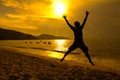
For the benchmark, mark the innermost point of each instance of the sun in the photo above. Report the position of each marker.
(59, 9)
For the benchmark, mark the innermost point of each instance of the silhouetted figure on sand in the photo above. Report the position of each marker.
(78, 38)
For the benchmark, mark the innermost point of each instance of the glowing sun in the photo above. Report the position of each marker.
(59, 9)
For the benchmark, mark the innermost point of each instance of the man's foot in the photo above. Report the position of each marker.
(92, 63)
(61, 59)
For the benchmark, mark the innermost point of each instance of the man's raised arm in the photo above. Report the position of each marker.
(87, 13)
(68, 22)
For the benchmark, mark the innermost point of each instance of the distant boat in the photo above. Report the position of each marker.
(26, 42)
(44, 42)
(49, 42)
(37, 42)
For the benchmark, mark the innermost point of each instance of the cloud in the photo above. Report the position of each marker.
(16, 13)
(16, 24)
(23, 3)
(31, 6)
(13, 16)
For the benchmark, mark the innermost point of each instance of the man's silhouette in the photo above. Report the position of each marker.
(78, 38)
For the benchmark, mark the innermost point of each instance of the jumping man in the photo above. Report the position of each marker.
(78, 38)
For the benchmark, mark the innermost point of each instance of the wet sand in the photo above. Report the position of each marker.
(19, 65)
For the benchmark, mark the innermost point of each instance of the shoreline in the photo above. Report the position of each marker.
(15, 64)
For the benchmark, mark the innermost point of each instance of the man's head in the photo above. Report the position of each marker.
(77, 24)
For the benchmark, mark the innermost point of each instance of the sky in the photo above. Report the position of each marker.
(38, 17)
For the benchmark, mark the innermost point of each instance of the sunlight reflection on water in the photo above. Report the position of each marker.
(55, 55)
(61, 45)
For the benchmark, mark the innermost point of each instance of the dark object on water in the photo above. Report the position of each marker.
(49, 42)
(26, 42)
(44, 42)
(37, 42)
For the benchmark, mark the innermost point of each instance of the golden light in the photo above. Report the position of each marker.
(60, 45)
(59, 9)
(60, 42)
(55, 55)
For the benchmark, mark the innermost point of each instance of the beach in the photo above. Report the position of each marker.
(20, 65)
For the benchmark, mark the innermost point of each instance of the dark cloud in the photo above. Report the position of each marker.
(32, 1)
(26, 3)
(9, 9)
(25, 6)
(5, 9)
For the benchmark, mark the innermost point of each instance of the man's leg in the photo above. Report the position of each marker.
(87, 55)
(69, 50)
(85, 50)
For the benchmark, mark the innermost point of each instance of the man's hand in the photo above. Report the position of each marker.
(64, 16)
(87, 13)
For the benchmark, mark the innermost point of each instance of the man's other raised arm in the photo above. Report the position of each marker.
(68, 22)
(83, 24)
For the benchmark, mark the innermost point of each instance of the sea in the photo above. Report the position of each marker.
(103, 53)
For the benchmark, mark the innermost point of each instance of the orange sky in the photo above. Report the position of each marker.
(38, 16)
